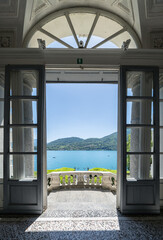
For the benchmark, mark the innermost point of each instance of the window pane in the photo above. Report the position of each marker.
(139, 167)
(1, 166)
(139, 83)
(140, 139)
(24, 83)
(100, 33)
(1, 113)
(82, 21)
(161, 165)
(2, 78)
(161, 114)
(54, 27)
(23, 139)
(161, 86)
(23, 167)
(161, 139)
(1, 139)
(140, 112)
(23, 111)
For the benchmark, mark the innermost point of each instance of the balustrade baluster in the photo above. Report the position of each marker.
(101, 180)
(76, 179)
(72, 179)
(69, 180)
(60, 180)
(80, 180)
(93, 179)
(63, 181)
(88, 179)
(98, 180)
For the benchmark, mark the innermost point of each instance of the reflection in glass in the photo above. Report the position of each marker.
(139, 167)
(161, 85)
(140, 139)
(161, 140)
(1, 139)
(140, 112)
(161, 166)
(24, 83)
(23, 166)
(2, 78)
(139, 83)
(1, 113)
(23, 139)
(1, 166)
(23, 111)
(161, 114)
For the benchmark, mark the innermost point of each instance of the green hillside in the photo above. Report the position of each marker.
(74, 143)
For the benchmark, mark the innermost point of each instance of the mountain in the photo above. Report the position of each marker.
(74, 143)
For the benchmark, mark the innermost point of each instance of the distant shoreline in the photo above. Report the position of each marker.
(107, 143)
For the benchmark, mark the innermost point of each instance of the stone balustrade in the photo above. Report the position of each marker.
(81, 179)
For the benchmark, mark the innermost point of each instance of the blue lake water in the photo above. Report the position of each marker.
(81, 160)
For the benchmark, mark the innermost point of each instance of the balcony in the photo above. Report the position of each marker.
(81, 179)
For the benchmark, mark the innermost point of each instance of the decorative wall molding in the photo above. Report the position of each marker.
(157, 40)
(9, 8)
(39, 6)
(154, 8)
(66, 58)
(124, 5)
(6, 39)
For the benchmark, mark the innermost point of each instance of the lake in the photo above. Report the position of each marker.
(82, 160)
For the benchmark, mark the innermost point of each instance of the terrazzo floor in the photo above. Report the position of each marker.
(85, 214)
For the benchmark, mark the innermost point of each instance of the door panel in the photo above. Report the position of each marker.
(24, 108)
(139, 117)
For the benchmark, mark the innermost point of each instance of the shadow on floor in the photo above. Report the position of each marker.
(113, 228)
(81, 215)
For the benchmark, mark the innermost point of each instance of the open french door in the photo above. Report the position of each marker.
(23, 138)
(139, 141)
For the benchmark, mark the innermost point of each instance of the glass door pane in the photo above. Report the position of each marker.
(139, 83)
(24, 82)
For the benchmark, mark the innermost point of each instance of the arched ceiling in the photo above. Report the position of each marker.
(17, 17)
(37, 9)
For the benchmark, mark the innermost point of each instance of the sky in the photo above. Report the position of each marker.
(93, 41)
(81, 110)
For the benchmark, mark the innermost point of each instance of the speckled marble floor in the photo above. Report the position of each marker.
(81, 215)
(81, 203)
